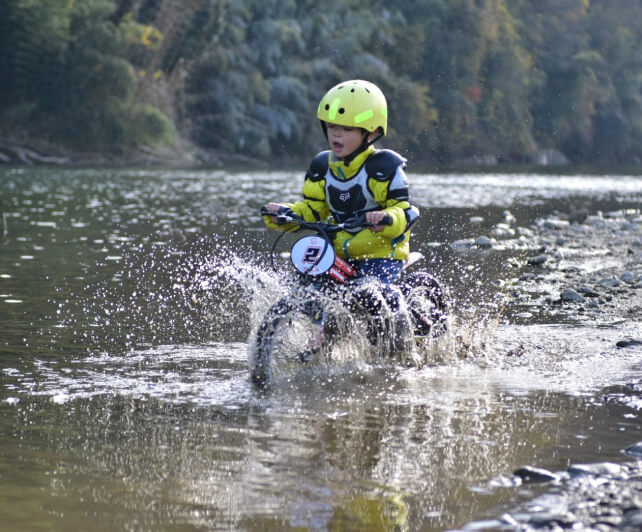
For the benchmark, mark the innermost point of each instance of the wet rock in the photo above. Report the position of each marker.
(535, 474)
(509, 218)
(632, 520)
(527, 233)
(553, 520)
(609, 282)
(629, 343)
(629, 226)
(587, 291)
(555, 224)
(538, 260)
(635, 449)
(462, 245)
(483, 242)
(502, 229)
(578, 217)
(571, 296)
(599, 469)
(628, 277)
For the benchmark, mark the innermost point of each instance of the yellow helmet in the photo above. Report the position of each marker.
(355, 103)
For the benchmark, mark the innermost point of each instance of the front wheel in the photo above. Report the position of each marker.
(426, 303)
(291, 335)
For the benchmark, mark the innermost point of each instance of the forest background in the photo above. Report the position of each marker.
(199, 81)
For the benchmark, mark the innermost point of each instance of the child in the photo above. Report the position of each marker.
(353, 178)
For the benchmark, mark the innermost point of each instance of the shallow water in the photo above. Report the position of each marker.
(126, 301)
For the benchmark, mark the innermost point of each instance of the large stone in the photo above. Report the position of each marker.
(629, 343)
(535, 474)
(635, 449)
(571, 296)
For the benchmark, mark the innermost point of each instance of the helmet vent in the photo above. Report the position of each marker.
(341, 111)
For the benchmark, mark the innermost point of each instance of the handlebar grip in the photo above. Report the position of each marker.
(283, 216)
(281, 212)
(387, 220)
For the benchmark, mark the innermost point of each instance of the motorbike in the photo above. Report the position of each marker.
(331, 312)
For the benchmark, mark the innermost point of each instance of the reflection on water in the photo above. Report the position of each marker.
(126, 298)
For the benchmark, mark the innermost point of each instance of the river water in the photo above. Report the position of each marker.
(127, 298)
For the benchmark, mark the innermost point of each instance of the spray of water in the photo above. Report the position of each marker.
(209, 290)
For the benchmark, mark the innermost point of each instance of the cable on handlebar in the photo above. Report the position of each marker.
(320, 227)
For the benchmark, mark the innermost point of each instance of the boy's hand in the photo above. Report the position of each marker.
(274, 207)
(374, 217)
(279, 210)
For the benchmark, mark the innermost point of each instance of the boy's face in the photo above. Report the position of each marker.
(344, 140)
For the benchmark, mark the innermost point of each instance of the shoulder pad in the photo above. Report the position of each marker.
(318, 167)
(383, 164)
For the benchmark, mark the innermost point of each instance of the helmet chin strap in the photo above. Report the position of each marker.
(365, 144)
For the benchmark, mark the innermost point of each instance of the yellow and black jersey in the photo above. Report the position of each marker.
(375, 180)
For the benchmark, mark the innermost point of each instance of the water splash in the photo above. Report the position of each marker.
(162, 293)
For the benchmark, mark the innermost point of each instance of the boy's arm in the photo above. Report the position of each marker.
(390, 188)
(313, 207)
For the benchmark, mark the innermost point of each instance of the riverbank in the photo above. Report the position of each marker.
(24, 150)
(180, 154)
(583, 268)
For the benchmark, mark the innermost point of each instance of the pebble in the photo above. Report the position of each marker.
(538, 260)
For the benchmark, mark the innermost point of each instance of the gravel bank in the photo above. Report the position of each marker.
(582, 268)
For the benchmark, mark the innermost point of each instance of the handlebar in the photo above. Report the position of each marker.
(285, 215)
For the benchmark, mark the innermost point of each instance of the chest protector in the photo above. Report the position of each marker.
(349, 194)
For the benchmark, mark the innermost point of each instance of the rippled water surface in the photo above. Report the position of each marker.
(127, 298)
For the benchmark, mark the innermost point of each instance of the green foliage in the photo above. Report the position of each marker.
(150, 126)
(66, 63)
(463, 77)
